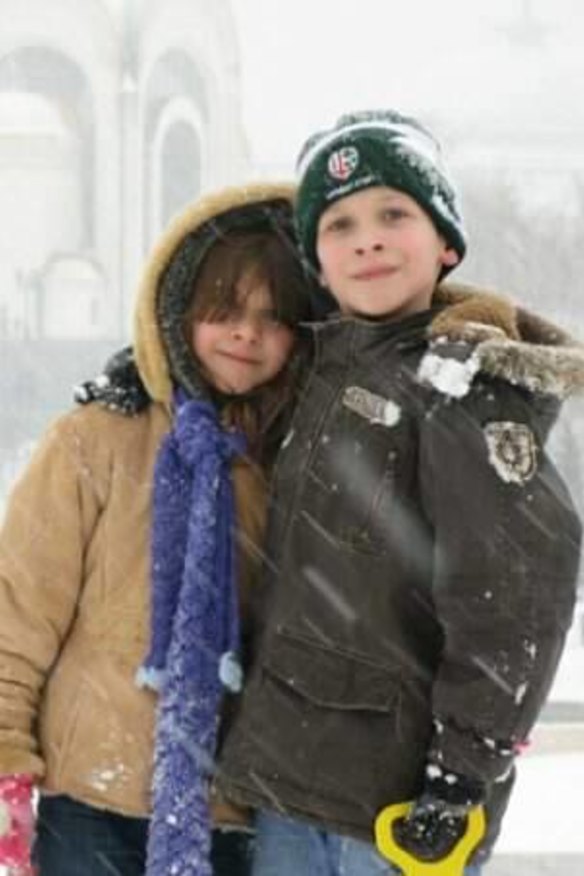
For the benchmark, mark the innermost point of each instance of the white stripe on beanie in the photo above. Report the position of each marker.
(409, 136)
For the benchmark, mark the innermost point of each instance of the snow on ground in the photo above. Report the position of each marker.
(569, 683)
(545, 813)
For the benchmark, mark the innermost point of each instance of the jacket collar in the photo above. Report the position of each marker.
(485, 332)
(507, 341)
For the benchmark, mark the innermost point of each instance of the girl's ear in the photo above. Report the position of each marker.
(449, 257)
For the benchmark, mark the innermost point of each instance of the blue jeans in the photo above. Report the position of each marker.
(286, 847)
(74, 839)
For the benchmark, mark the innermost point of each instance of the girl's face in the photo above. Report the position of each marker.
(247, 347)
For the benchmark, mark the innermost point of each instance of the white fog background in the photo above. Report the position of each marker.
(115, 114)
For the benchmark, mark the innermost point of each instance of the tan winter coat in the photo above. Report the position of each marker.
(74, 577)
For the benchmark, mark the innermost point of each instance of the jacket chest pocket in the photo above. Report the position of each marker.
(297, 447)
(355, 477)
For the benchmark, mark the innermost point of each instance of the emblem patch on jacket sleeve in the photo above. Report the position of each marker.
(512, 451)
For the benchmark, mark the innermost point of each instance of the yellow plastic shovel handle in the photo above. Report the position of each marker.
(452, 865)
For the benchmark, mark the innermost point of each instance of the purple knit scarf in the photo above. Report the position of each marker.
(194, 630)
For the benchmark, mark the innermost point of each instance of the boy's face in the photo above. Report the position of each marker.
(380, 253)
(247, 347)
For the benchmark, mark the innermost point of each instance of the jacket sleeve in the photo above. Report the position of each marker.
(49, 520)
(506, 555)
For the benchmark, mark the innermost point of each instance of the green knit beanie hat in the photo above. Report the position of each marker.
(374, 148)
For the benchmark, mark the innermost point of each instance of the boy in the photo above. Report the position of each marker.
(423, 551)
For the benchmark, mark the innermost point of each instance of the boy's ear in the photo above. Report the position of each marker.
(449, 257)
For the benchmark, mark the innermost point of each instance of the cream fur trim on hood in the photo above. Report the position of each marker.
(149, 349)
(507, 341)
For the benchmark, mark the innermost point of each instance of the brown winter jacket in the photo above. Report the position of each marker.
(423, 554)
(74, 575)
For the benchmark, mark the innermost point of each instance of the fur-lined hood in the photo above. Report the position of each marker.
(487, 333)
(202, 222)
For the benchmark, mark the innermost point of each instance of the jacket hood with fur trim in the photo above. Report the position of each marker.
(196, 228)
(476, 331)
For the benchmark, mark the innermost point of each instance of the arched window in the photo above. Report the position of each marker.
(46, 176)
(40, 202)
(180, 169)
(174, 139)
(48, 74)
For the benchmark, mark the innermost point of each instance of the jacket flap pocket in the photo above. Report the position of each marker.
(330, 677)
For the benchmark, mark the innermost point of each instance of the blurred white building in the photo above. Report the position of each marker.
(113, 115)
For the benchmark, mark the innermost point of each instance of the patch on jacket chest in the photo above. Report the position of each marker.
(371, 407)
(512, 451)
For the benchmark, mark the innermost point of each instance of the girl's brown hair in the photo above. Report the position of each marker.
(267, 257)
(262, 257)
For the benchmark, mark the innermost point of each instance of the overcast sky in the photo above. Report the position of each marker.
(512, 62)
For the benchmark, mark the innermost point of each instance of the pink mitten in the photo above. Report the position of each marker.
(16, 823)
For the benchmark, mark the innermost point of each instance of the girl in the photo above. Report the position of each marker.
(126, 515)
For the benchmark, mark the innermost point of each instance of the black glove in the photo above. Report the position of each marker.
(437, 820)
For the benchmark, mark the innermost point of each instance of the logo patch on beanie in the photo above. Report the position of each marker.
(343, 163)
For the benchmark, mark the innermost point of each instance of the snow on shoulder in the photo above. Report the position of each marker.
(450, 376)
